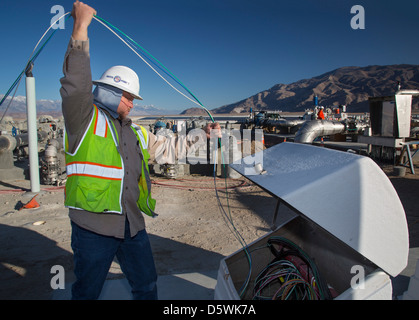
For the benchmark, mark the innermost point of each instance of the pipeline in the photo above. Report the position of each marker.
(316, 128)
(7, 143)
(284, 123)
(10, 143)
(201, 184)
(287, 123)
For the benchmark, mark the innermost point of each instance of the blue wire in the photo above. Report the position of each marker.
(150, 59)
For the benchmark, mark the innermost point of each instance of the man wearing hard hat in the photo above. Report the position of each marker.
(320, 115)
(108, 183)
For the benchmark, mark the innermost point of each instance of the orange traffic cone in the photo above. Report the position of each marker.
(31, 204)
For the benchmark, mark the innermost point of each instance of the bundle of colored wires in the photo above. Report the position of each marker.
(281, 280)
(291, 275)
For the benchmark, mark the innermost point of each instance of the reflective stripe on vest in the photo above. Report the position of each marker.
(94, 170)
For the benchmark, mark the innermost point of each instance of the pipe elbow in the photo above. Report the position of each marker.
(316, 128)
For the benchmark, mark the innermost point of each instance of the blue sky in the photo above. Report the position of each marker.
(222, 50)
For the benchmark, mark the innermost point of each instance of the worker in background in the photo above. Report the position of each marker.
(159, 125)
(320, 115)
(108, 184)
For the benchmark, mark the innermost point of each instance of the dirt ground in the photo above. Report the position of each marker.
(189, 234)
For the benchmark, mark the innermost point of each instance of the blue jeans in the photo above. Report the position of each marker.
(93, 255)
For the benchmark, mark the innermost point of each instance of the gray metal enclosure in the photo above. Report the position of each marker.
(340, 208)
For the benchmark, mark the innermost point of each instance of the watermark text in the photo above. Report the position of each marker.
(358, 20)
(58, 280)
(56, 22)
(241, 147)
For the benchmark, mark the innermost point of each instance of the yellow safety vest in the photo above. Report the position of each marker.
(95, 170)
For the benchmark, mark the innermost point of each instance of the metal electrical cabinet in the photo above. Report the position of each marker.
(390, 116)
(340, 208)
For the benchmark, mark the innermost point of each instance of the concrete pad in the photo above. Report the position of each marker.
(184, 286)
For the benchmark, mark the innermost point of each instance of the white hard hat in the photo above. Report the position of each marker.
(122, 78)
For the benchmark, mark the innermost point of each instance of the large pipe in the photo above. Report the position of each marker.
(7, 143)
(316, 128)
(21, 140)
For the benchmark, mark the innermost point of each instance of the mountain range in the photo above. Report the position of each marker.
(350, 86)
(53, 108)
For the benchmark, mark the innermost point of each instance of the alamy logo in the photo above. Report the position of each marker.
(357, 281)
(358, 20)
(239, 147)
(56, 22)
(58, 280)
